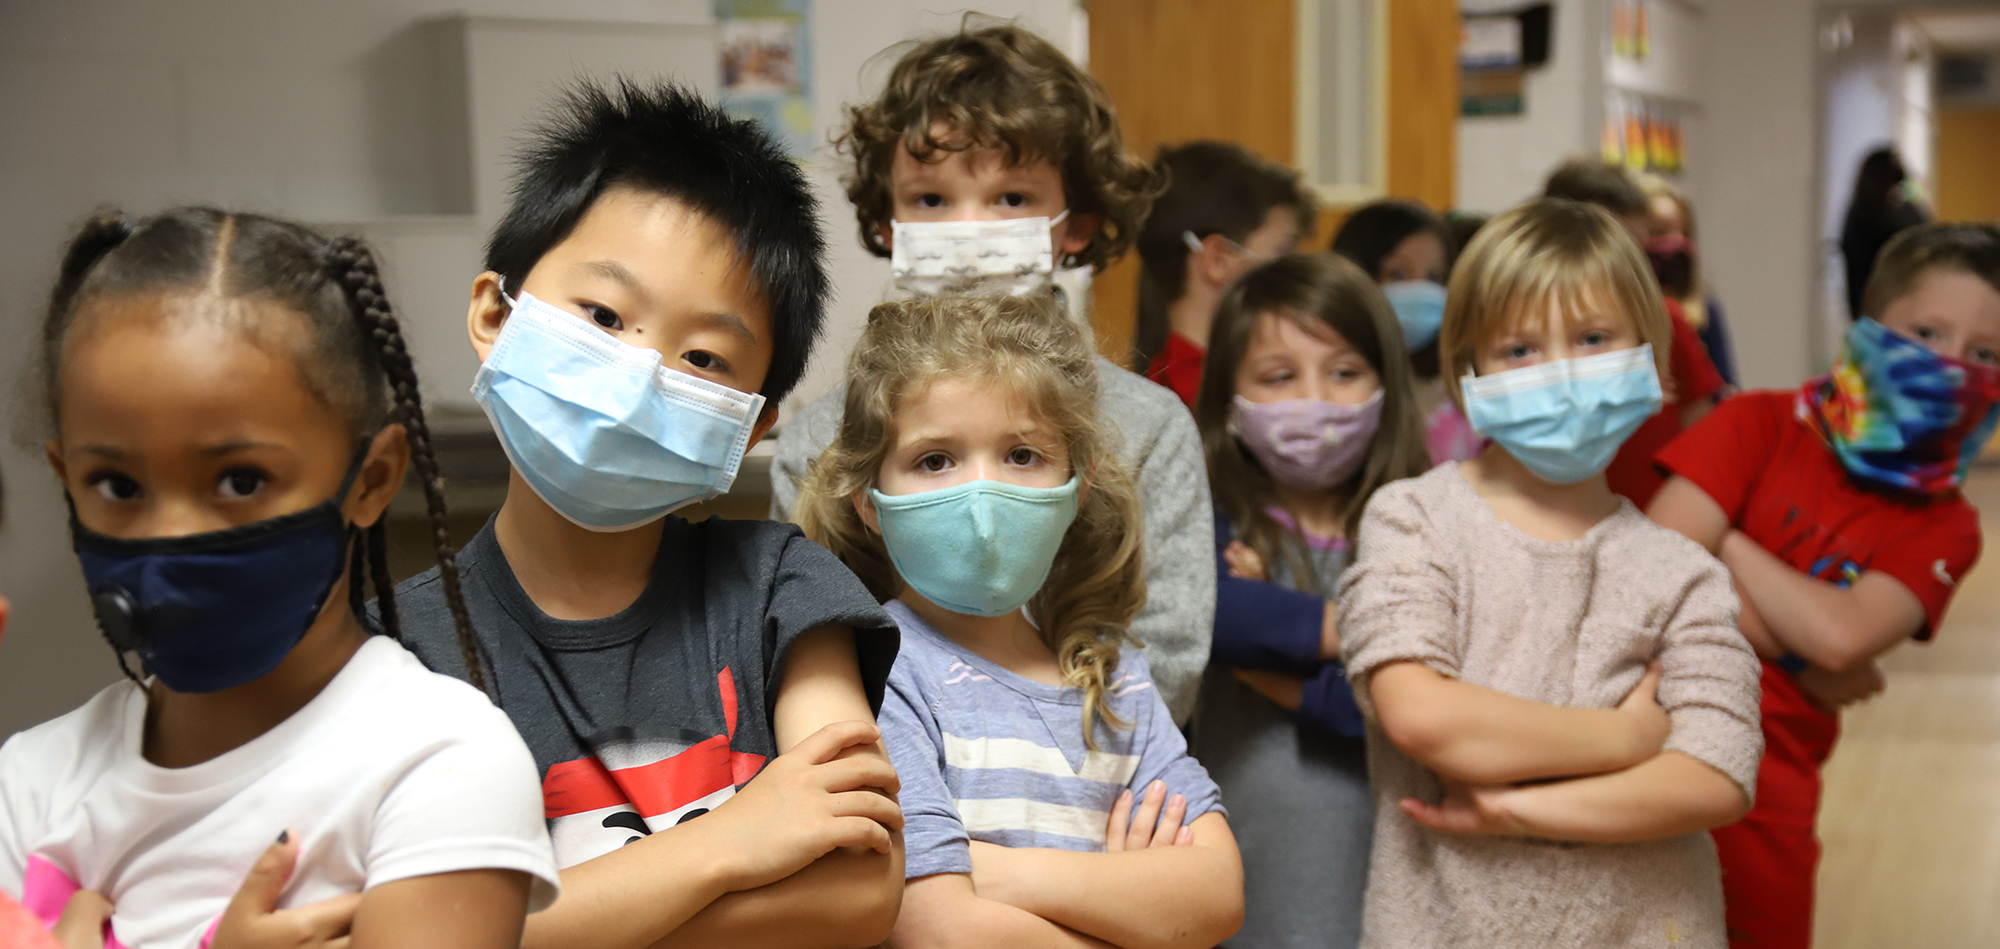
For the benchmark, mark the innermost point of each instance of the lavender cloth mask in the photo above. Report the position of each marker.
(1307, 444)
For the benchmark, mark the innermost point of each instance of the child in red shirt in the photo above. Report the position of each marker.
(1837, 508)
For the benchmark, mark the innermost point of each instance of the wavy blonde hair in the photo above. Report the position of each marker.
(1026, 343)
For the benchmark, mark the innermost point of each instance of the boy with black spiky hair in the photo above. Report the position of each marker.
(700, 698)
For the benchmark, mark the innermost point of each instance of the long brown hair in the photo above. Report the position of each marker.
(1097, 584)
(1319, 292)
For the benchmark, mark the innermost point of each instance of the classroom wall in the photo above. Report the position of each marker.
(318, 111)
(1502, 160)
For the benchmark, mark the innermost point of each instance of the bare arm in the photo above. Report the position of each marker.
(1669, 795)
(1835, 629)
(1479, 736)
(470, 909)
(944, 912)
(1159, 897)
(1681, 505)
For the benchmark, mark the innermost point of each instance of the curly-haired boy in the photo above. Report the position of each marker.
(976, 137)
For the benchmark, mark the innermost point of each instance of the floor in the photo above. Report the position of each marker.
(1911, 817)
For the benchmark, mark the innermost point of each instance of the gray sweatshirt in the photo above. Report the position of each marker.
(1158, 439)
(1441, 580)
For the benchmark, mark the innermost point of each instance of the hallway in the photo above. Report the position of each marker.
(1911, 819)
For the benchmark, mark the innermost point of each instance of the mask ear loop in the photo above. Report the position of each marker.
(511, 302)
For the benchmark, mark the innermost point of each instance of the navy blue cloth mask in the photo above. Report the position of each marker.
(207, 612)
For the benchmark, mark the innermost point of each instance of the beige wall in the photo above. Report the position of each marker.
(1968, 163)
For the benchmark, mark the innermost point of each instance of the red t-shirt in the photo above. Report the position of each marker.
(1178, 367)
(1632, 472)
(1782, 487)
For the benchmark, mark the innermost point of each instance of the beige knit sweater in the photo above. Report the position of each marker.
(1441, 580)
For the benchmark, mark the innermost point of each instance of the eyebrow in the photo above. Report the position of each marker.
(235, 445)
(615, 272)
(726, 322)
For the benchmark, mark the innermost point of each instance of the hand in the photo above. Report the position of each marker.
(803, 805)
(1159, 821)
(1466, 810)
(1641, 708)
(1244, 563)
(253, 921)
(1285, 690)
(1836, 690)
(83, 921)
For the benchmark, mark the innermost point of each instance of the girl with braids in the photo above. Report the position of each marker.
(1048, 797)
(232, 410)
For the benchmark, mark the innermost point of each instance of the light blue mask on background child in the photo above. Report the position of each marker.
(1565, 419)
(1419, 306)
(981, 548)
(601, 430)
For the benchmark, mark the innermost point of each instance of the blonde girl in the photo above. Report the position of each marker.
(1305, 410)
(1049, 799)
(1509, 621)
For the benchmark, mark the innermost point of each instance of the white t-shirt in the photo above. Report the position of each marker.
(390, 772)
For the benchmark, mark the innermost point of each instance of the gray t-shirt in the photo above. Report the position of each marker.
(1441, 580)
(1157, 437)
(986, 754)
(657, 714)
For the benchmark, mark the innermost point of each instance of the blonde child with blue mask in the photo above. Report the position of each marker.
(1559, 701)
(991, 163)
(1048, 796)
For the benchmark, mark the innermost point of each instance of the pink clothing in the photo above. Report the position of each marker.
(1313, 541)
(1449, 435)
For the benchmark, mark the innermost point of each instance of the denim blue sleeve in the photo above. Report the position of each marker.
(1328, 703)
(934, 838)
(1163, 753)
(1262, 625)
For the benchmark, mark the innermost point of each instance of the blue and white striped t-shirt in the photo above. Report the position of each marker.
(986, 754)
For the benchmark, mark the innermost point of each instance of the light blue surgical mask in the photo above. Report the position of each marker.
(981, 548)
(1565, 419)
(602, 431)
(1419, 306)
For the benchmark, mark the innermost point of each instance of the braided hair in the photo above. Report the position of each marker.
(356, 360)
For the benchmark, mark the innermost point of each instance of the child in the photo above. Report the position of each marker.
(1407, 250)
(1305, 412)
(1027, 145)
(1696, 383)
(699, 698)
(1225, 211)
(1837, 508)
(1499, 621)
(232, 410)
(971, 481)
(1670, 246)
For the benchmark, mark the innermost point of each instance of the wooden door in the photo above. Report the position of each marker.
(1179, 70)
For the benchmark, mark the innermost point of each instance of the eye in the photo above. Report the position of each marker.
(1278, 378)
(112, 486)
(1596, 338)
(1023, 456)
(1014, 199)
(1983, 355)
(603, 317)
(930, 199)
(1517, 351)
(240, 483)
(933, 462)
(705, 360)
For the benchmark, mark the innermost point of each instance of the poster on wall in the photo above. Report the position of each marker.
(766, 49)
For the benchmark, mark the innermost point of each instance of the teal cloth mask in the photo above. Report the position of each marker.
(981, 548)
(1419, 306)
(601, 430)
(1565, 419)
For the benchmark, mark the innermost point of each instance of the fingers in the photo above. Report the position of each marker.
(327, 919)
(81, 925)
(868, 804)
(1171, 820)
(860, 832)
(821, 746)
(860, 771)
(1121, 822)
(266, 879)
(1647, 691)
(1449, 820)
(1147, 816)
(1185, 837)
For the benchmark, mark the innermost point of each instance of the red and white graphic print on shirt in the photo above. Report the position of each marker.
(636, 784)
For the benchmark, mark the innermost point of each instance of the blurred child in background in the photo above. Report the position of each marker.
(1670, 245)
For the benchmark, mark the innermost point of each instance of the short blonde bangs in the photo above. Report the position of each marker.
(1549, 249)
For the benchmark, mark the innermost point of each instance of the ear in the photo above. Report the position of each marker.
(382, 471)
(865, 506)
(53, 449)
(1215, 263)
(1082, 491)
(1078, 229)
(765, 420)
(6, 610)
(888, 235)
(487, 313)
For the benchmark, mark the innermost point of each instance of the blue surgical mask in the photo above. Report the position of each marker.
(1419, 306)
(602, 431)
(981, 548)
(1565, 419)
(207, 612)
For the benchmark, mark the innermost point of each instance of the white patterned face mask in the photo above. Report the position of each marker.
(1010, 257)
